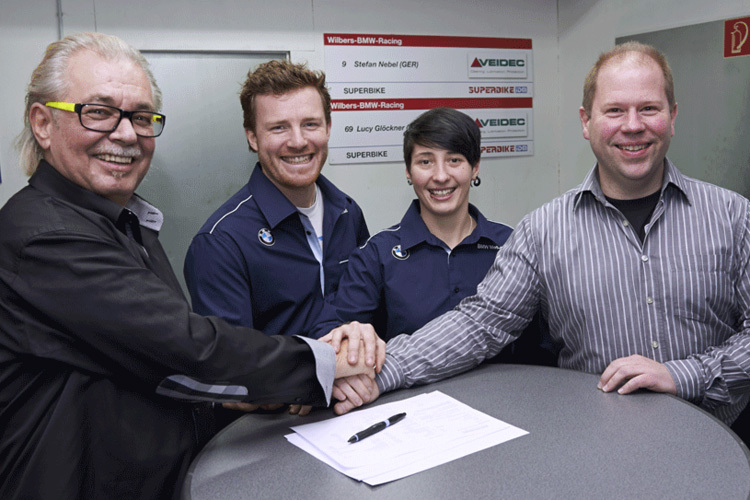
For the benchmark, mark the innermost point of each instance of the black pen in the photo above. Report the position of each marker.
(375, 428)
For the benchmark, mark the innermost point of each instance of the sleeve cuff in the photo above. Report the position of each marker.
(688, 378)
(325, 364)
(390, 377)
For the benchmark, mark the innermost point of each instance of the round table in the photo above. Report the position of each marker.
(582, 443)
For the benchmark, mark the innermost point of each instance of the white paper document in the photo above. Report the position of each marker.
(436, 430)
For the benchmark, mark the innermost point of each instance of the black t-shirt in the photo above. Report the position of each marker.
(638, 211)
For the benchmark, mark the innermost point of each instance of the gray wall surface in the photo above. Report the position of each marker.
(202, 158)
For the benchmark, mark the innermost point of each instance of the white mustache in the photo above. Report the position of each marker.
(131, 151)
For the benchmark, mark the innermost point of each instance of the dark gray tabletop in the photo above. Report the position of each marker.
(582, 443)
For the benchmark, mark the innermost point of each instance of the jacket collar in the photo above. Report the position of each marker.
(414, 231)
(276, 207)
(48, 180)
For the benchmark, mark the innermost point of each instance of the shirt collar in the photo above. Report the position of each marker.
(276, 207)
(414, 231)
(148, 215)
(271, 202)
(673, 178)
(484, 227)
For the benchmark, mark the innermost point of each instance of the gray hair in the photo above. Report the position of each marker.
(49, 82)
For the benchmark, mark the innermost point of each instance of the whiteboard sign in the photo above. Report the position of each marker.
(380, 83)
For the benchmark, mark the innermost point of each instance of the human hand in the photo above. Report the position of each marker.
(300, 410)
(248, 407)
(636, 372)
(353, 392)
(374, 347)
(344, 368)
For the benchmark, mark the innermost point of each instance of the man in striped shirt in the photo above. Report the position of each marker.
(641, 272)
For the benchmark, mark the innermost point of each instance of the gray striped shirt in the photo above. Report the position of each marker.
(682, 297)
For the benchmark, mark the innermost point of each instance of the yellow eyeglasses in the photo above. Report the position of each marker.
(103, 118)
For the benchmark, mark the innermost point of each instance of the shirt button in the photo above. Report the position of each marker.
(654, 344)
(456, 290)
(625, 223)
(649, 300)
(644, 258)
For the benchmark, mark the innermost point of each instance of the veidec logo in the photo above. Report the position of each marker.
(502, 63)
(498, 64)
(500, 122)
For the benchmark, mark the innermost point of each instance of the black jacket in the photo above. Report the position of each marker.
(90, 324)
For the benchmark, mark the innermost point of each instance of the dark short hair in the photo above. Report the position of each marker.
(277, 78)
(620, 52)
(444, 128)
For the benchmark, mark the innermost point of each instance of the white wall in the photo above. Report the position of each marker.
(510, 186)
(26, 27)
(567, 37)
(297, 26)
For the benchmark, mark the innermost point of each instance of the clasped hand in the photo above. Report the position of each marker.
(358, 349)
(360, 353)
(357, 389)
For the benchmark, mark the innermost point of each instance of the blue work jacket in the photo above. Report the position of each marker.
(404, 276)
(251, 263)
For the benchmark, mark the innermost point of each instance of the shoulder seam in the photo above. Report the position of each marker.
(229, 213)
(387, 230)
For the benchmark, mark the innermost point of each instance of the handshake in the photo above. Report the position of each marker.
(360, 354)
(355, 374)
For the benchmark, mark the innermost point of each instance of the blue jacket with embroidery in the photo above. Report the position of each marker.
(404, 276)
(251, 263)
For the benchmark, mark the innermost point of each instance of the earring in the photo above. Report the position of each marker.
(408, 181)
(476, 181)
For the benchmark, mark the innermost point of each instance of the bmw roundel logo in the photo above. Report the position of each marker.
(399, 253)
(265, 237)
